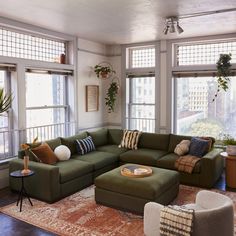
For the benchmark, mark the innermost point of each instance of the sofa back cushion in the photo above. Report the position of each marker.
(70, 141)
(115, 136)
(99, 137)
(154, 141)
(175, 140)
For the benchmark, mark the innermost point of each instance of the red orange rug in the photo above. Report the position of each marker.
(78, 214)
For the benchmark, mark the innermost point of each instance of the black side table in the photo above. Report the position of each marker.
(22, 193)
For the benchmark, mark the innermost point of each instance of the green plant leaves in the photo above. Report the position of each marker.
(111, 96)
(223, 72)
(5, 101)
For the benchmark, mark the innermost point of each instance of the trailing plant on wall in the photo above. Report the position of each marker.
(223, 72)
(111, 96)
(5, 101)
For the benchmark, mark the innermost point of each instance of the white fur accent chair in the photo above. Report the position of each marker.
(214, 215)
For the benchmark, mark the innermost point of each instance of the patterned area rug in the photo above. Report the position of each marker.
(78, 214)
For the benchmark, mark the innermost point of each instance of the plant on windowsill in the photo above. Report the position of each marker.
(230, 144)
(5, 101)
(111, 96)
(223, 72)
(104, 71)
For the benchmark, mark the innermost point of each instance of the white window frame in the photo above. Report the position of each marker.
(173, 68)
(18, 77)
(128, 70)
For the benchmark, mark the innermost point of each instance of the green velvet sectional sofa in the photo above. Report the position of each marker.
(53, 182)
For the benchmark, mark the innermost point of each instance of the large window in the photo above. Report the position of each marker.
(195, 111)
(46, 104)
(198, 115)
(140, 88)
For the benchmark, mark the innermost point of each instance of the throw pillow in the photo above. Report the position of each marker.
(182, 148)
(130, 139)
(62, 152)
(198, 147)
(45, 154)
(211, 142)
(85, 145)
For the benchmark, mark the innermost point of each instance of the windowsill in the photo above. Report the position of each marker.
(6, 161)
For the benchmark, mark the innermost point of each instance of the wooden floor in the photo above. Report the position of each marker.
(12, 227)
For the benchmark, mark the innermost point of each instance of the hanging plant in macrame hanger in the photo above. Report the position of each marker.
(223, 72)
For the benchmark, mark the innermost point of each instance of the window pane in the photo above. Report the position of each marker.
(200, 54)
(140, 103)
(28, 46)
(43, 117)
(5, 135)
(198, 115)
(143, 90)
(44, 89)
(142, 57)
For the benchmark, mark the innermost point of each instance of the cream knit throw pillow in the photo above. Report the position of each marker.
(130, 139)
(182, 148)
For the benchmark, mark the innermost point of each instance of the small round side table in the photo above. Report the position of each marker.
(22, 193)
(230, 169)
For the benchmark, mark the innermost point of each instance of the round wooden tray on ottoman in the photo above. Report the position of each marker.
(136, 171)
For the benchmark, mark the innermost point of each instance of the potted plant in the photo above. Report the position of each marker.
(5, 101)
(111, 96)
(230, 144)
(103, 71)
(223, 72)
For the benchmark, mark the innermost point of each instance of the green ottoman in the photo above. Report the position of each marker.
(131, 194)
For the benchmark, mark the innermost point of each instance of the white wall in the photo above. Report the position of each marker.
(90, 54)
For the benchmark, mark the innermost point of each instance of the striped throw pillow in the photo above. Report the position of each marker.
(85, 145)
(130, 139)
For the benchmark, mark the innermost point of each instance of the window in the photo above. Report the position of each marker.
(21, 45)
(204, 53)
(5, 135)
(140, 104)
(142, 57)
(198, 115)
(140, 88)
(46, 105)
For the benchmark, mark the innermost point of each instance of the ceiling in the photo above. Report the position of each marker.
(122, 21)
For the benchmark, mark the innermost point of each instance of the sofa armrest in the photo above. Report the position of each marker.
(152, 211)
(211, 167)
(44, 185)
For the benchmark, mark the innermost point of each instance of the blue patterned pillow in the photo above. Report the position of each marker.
(198, 147)
(85, 145)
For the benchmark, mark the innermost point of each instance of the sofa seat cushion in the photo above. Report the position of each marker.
(142, 156)
(112, 149)
(98, 159)
(168, 162)
(72, 169)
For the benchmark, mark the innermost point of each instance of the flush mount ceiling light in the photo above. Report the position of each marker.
(172, 22)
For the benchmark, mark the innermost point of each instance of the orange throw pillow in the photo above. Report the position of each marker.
(45, 154)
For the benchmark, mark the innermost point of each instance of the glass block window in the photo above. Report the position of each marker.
(208, 53)
(142, 57)
(26, 46)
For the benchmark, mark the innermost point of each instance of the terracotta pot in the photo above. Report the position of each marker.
(231, 150)
(104, 75)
